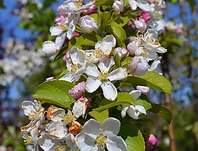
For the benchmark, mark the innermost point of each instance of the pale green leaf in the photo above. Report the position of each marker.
(136, 143)
(100, 116)
(152, 80)
(55, 92)
(119, 33)
(122, 99)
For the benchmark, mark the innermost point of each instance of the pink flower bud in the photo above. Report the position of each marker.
(146, 16)
(118, 6)
(153, 140)
(92, 9)
(138, 66)
(78, 90)
(75, 34)
(179, 31)
(60, 20)
(143, 89)
(140, 25)
(88, 24)
(133, 46)
(122, 52)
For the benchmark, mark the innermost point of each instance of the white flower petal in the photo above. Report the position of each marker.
(116, 143)
(92, 70)
(92, 84)
(132, 113)
(111, 126)
(161, 50)
(133, 4)
(106, 64)
(71, 142)
(141, 109)
(91, 128)
(70, 77)
(71, 30)
(56, 129)
(124, 111)
(86, 143)
(60, 41)
(154, 65)
(46, 143)
(135, 94)
(109, 91)
(79, 109)
(55, 30)
(145, 6)
(106, 44)
(49, 48)
(118, 74)
(77, 56)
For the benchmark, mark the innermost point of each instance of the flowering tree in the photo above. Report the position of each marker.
(112, 56)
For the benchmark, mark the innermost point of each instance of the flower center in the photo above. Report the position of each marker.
(103, 76)
(74, 68)
(61, 148)
(101, 141)
(69, 118)
(98, 53)
(28, 140)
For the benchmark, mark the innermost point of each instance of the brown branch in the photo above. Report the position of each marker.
(168, 102)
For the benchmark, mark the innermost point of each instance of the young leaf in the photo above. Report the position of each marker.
(119, 33)
(136, 143)
(152, 80)
(100, 116)
(55, 92)
(144, 103)
(122, 99)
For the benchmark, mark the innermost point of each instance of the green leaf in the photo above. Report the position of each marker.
(122, 99)
(135, 143)
(119, 33)
(100, 116)
(192, 4)
(86, 40)
(152, 80)
(104, 2)
(144, 103)
(55, 92)
(162, 112)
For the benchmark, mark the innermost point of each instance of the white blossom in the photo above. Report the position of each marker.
(104, 78)
(76, 65)
(95, 136)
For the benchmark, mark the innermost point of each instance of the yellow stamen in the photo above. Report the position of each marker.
(98, 53)
(74, 68)
(101, 141)
(69, 118)
(103, 76)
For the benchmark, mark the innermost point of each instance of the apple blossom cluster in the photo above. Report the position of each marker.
(95, 72)
(19, 62)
